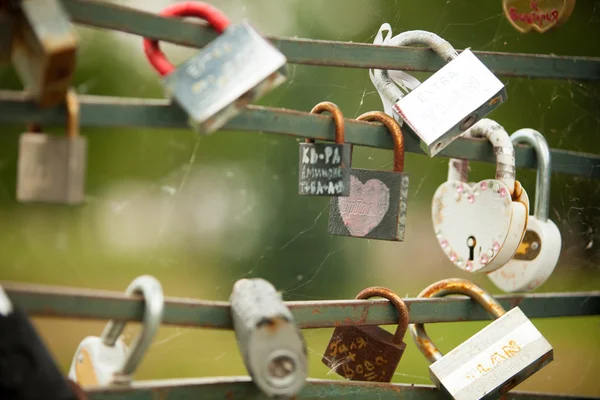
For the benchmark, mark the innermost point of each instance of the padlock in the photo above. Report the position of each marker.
(538, 253)
(376, 206)
(324, 168)
(27, 369)
(452, 100)
(272, 347)
(491, 362)
(106, 360)
(233, 70)
(479, 226)
(44, 50)
(368, 353)
(52, 168)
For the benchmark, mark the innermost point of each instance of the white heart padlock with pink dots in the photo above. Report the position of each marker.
(538, 253)
(479, 226)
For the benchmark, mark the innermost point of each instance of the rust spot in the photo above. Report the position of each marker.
(229, 394)
(316, 311)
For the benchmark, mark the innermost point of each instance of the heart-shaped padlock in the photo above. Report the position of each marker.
(480, 225)
(539, 15)
(538, 253)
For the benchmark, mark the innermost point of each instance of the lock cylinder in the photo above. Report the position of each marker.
(271, 344)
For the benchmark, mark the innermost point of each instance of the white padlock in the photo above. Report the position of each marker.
(479, 226)
(538, 253)
(105, 360)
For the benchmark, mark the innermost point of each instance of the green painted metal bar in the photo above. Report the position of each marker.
(56, 301)
(243, 388)
(156, 113)
(329, 53)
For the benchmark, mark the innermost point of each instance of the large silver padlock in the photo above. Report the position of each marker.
(479, 226)
(538, 253)
(452, 100)
(106, 360)
(233, 70)
(44, 50)
(270, 342)
(52, 168)
(491, 362)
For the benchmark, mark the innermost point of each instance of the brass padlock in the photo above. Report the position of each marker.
(324, 168)
(376, 206)
(368, 353)
(51, 167)
(44, 50)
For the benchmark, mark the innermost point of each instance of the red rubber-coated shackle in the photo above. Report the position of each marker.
(215, 18)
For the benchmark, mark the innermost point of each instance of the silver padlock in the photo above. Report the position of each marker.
(52, 167)
(452, 100)
(233, 70)
(479, 226)
(538, 253)
(106, 360)
(44, 50)
(271, 344)
(491, 362)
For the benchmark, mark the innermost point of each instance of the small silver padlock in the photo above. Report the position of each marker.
(44, 50)
(52, 167)
(324, 168)
(271, 344)
(233, 70)
(450, 101)
(376, 206)
(491, 362)
(106, 360)
(479, 226)
(538, 253)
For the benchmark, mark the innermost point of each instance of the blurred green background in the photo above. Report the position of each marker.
(199, 213)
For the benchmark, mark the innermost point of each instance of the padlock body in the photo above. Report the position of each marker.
(233, 70)
(95, 363)
(534, 261)
(494, 360)
(7, 27)
(375, 207)
(363, 353)
(51, 169)
(44, 50)
(265, 332)
(451, 101)
(324, 169)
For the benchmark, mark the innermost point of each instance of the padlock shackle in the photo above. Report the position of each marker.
(151, 290)
(338, 120)
(215, 18)
(542, 151)
(72, 104)
(385, 85)
(397, 302)
(444, 288)
(503, 148)
(394, 129)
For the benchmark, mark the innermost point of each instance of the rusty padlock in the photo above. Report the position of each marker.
(324, 168)
(376, 206)
(368, 353)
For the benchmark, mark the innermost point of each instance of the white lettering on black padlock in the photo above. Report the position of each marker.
(376, 206)
(270, 342)
(538, 253)
(233, 70)
(27, 369)
(44, 50)
(479, 226)
(491, 362)
(324, 168)
(52, 168)
(106, 360)
(450, 101)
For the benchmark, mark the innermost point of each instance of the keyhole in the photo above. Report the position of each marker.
(471, 242)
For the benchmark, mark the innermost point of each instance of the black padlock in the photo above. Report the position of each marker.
(27, 370)
(376, 205)
(324, 168)
(368, 353)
